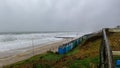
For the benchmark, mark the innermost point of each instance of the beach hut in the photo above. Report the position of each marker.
(71, 45)
(78, 41)
(67, 48)
(62, 49)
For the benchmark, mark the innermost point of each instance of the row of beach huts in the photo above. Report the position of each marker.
(65, 48)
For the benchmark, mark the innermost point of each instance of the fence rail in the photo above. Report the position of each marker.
(106, 57)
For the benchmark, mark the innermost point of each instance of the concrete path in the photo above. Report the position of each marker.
(116, 52)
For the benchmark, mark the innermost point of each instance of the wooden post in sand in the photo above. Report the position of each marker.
(33, 52)
(33, 46)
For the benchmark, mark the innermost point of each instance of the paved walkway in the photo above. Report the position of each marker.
(116, 52)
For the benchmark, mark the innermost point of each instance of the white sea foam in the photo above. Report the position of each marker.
(15, 41)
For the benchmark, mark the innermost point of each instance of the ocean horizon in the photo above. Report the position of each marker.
(9, 41)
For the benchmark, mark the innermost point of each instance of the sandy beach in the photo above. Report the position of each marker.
(12, 56)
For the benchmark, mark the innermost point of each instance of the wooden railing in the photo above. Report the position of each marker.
(106, 57)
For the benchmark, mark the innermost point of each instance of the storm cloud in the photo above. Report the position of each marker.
(58, 15)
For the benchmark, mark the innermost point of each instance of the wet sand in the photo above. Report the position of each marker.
(16, 55)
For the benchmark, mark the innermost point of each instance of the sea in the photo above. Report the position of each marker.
(16, 40)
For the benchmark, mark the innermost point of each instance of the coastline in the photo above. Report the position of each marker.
(16, 55)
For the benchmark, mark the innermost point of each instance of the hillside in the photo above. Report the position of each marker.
(85, 55)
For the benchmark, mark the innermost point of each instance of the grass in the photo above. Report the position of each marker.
(72, 52)
(81, 56)
(41, 61)
(116, 58)
(85, 56)
(89, 62)
(48, 58)
(85, 63)
(51, 56)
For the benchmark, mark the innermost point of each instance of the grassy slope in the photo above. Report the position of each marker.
(85, 56)
(114, 40)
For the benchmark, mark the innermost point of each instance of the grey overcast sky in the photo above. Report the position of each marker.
(58, 15)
